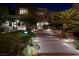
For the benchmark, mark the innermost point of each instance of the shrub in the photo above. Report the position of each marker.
(12, 43)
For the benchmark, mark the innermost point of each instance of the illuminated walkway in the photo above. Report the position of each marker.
(51, 45)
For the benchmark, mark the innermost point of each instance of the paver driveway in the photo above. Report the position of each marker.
(51, 45)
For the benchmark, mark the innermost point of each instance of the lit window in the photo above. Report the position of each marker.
(40, 13)
(23, 11)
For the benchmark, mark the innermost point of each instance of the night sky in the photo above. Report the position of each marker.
(49, 6)
(54, 6)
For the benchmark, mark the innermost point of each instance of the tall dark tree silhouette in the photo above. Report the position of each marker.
(4, 12)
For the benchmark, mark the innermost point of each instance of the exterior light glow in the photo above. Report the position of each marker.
(17, 21)
(33, 30)
(48, 30)
(7, 22)
(25, 32)
(35, 41)
(68, 40)
(46, 23)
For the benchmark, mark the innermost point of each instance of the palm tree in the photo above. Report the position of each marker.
(54, 23)
(67, 18)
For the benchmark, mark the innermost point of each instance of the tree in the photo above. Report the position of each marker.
(4, 11)
(3, 14)
(29, 21)
(54, 23)
(69, 19)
